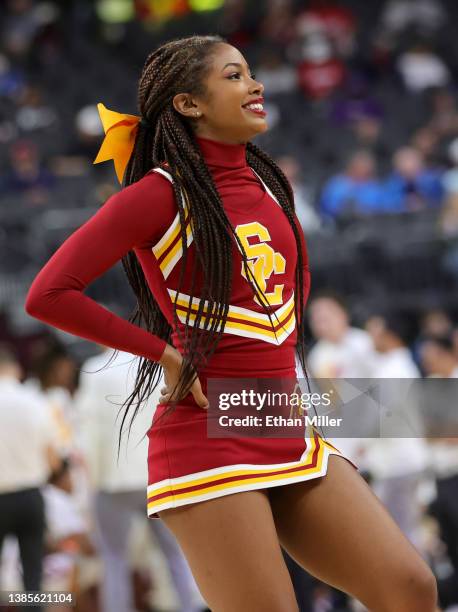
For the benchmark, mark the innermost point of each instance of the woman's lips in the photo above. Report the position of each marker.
(261, 113)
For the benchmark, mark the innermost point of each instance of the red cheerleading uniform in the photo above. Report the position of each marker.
(184, 465)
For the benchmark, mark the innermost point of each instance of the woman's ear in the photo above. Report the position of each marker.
(184, 104)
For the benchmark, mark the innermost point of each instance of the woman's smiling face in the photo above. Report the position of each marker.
(226, 112)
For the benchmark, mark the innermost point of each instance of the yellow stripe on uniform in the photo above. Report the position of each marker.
(244, 327)
(258, 471)
(175, 253)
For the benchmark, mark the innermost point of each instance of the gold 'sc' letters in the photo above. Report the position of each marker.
(263, 261)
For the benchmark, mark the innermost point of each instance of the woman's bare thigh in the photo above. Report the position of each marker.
(338, 530)
(232, 548)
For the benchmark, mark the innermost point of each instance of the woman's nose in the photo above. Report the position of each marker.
(258, 87)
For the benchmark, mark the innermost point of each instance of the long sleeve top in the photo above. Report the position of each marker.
(143, 217)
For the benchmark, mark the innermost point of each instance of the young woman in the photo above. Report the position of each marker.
(207, 232)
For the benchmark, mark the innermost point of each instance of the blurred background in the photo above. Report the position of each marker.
(362, 103)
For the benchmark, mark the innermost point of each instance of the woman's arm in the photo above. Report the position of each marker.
(136, 215)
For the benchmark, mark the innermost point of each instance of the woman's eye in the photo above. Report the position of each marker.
(253, 76)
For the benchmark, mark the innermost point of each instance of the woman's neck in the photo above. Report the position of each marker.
(222, 154)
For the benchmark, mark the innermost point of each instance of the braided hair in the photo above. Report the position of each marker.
(167, 137)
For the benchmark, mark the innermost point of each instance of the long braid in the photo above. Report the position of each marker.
(272, 174)
(181, 65)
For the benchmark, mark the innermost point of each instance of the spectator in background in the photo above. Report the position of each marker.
(11, 78)
(426, 16)
(411, 186)
(370, 136)
(340, 351)
(426, 142)
(435, 322)
(22, 21)
(439, 360)
(320, 72)
(68, 546)
(27, 457)
(356, 191)
(67, 530)
(120, 486)
(233, 20)
(276, 76)
(67, 533)
(448, 221)
(444, 114)
(88, 131)
(33, 113)
(420, 68)
(449, 216)
(450, 178)
(308, 218)
(331, 18)
(27, 176)
(277, 26)
(438, 357)
(397, 464)
(56, 373)
(393, 359)
(76, 158)
(432, 322)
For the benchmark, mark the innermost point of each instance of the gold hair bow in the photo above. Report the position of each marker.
(118, 144)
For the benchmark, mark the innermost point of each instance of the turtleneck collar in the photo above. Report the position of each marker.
(222, 155)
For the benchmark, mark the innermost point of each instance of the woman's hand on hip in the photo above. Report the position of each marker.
(171, 361)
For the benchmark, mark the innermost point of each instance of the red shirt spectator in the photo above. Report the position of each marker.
(335, 21)
(319, 74)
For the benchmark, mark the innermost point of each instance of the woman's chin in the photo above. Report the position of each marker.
(260, 127)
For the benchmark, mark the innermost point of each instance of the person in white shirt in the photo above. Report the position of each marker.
(397, 464)
(421, 67)
(340, 351)
(56, 374)
(27, 458)
(106, 381)
(68, 537)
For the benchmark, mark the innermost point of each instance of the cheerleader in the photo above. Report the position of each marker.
(206, 229)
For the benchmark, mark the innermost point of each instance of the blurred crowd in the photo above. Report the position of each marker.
(362, 103)
(410, 458)
(367, 97)
(362, 108)
(59, 428)
(73, 512)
